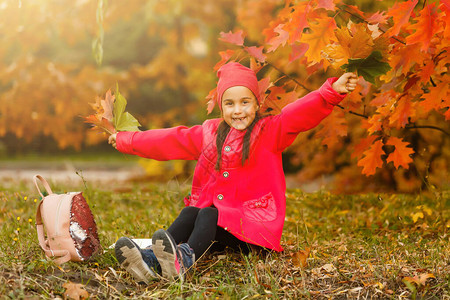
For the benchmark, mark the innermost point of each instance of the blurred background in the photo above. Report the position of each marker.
(57, 56)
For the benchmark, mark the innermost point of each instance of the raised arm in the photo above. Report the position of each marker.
(162, 144)
(308, 111)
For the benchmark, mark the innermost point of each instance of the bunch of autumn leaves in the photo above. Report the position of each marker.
(110, 116)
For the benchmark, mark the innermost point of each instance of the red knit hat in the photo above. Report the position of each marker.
(235, 74)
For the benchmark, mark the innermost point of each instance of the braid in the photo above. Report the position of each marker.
(246, 142)
(222, 132)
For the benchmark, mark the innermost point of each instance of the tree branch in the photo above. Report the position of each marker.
(289, 76)
(353, 113)
(413, 126)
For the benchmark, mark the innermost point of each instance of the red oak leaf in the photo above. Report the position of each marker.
(377, 18)
(225, 55)
(212, 100)
(372, 159)
(233, 38)
(279, 40)
(327, 4)
(257, 52)
(401, 155)
(264, 84)
(108, 106)
(298, 51)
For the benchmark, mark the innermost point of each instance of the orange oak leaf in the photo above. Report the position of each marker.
(255, 65)
(103, 118)
(298, 21)
(400, 13)
(445, 7)
(406, 57)
(75, 291)
(233, 38)
(299, 258)
(277, 99)
(279, 40)
(426, 71)
(401, 155)
(363, 145)
(419, 279)
(257, 52)
(372, 159)
(382, 98)
(433, 99)
(404, 110)
(322, 35)
(263, 85)
(333, 127)
(425, 28)
(269, 32)
(353, 42)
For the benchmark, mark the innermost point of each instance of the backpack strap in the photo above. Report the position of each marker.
(44, 182)
(63, 255)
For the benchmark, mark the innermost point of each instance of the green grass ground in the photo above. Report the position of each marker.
(361, 246)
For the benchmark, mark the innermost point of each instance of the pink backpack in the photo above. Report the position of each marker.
(69, 224)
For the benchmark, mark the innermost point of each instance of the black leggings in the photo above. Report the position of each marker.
(198, 227)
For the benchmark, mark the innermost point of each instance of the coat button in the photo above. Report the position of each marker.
(220, 197)
(227, 148)
(225, 174)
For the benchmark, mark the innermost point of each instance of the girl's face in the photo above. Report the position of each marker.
(239, 107)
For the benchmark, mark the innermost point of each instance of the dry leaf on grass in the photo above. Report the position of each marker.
(299, 259)
(419, 279)
(75, 291)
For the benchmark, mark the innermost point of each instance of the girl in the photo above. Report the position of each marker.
(238, 189)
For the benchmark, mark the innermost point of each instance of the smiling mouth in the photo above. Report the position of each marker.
(239, 119)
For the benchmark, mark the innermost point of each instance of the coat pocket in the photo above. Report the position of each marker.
(261, 209)
(192, 198)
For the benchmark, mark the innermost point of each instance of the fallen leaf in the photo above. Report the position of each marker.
(419, 279)
(75, 291)
(416, 216)
(328, 268)
(299, 259)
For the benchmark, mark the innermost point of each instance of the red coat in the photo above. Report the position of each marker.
(250, 199)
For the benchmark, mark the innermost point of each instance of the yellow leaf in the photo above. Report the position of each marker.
(416, 216)
(322, 33)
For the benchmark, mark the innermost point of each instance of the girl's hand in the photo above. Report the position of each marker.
(346, 83)
(112, 140)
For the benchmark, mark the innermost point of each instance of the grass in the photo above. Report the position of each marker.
(362, 246)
